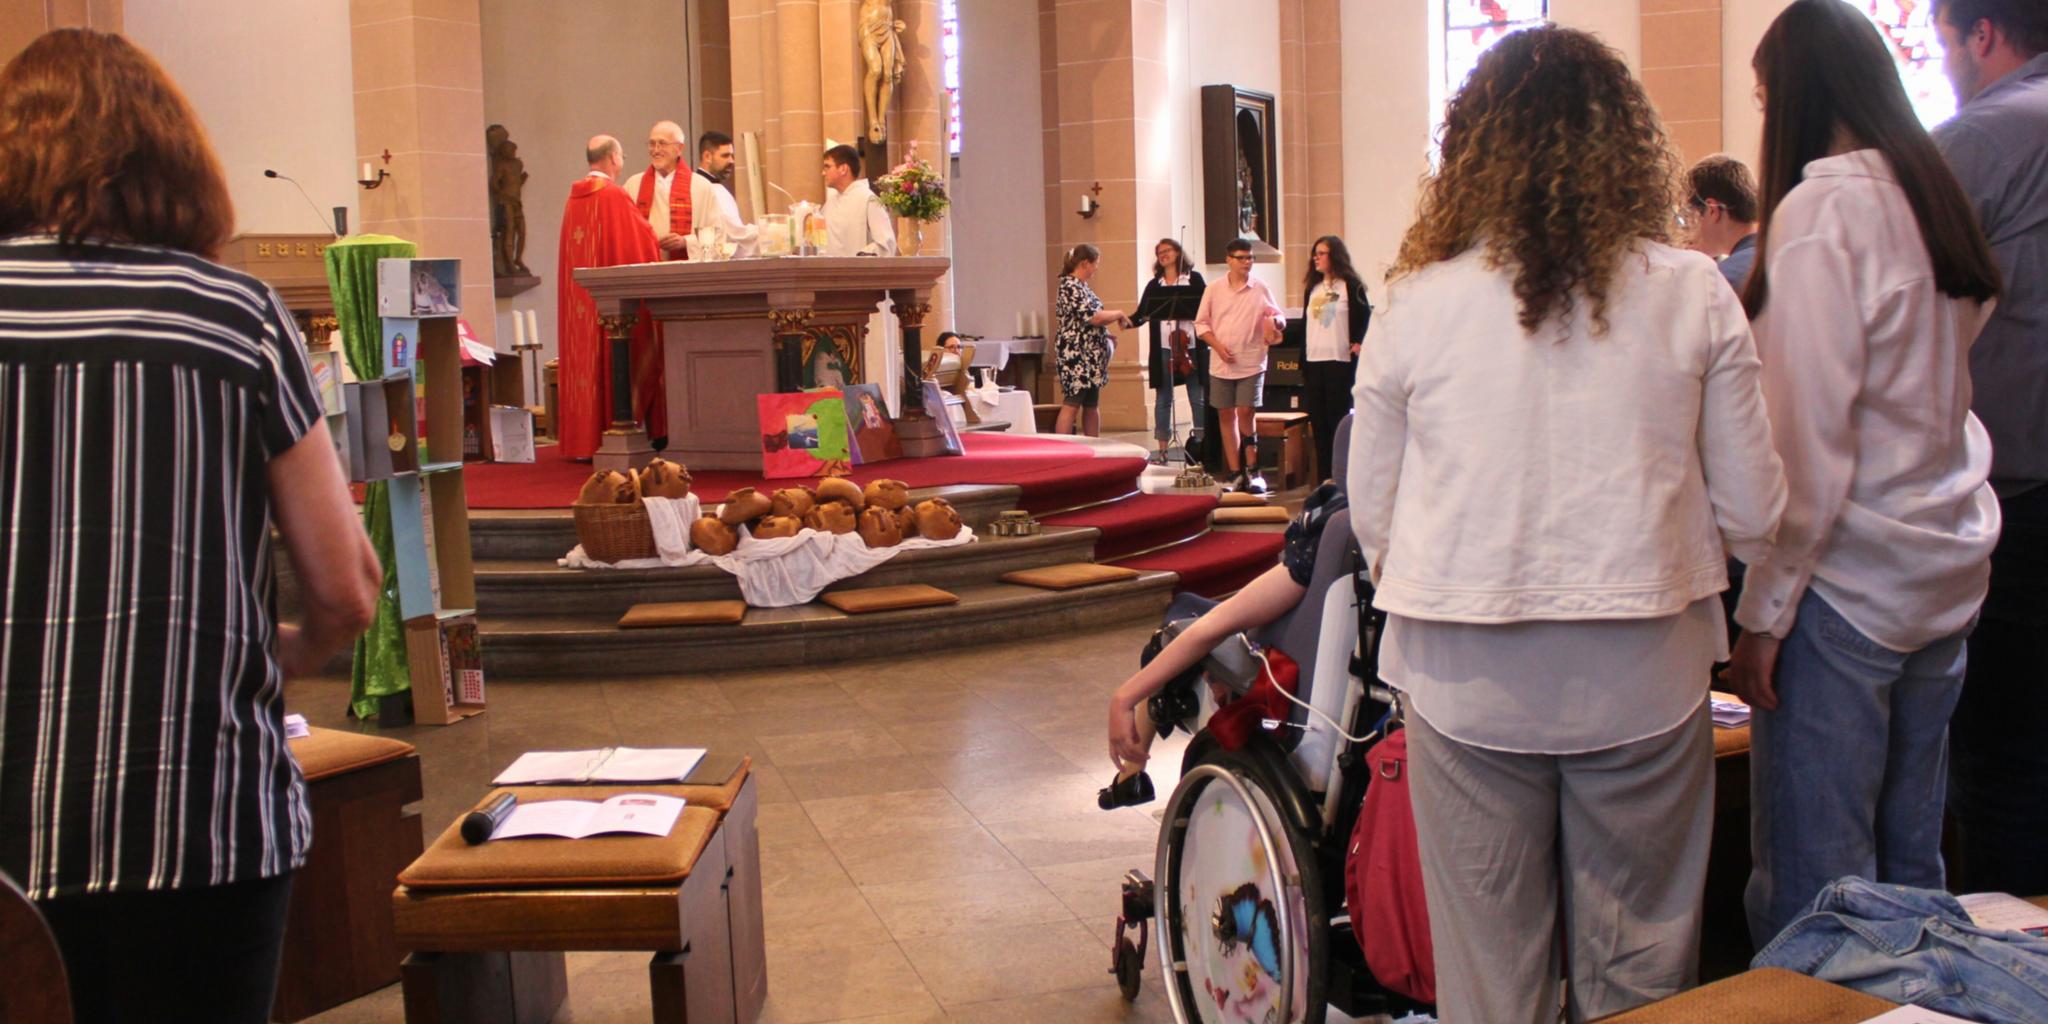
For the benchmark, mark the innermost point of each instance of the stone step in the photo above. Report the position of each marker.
(512, 588)
(500, 535)
(811, 634)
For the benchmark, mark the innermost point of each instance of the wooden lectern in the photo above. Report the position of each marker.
(740, 328)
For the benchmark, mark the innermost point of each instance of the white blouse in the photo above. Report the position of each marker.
(1866, 374)
(1328, 318)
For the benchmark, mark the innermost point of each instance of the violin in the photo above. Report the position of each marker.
(1182, 360)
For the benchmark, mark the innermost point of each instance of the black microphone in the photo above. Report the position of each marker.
(268, 173)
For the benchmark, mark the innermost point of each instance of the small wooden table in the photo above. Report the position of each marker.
(496, 954)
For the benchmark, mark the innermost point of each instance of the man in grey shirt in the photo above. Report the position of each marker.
(1997, 145)
(1724, 212)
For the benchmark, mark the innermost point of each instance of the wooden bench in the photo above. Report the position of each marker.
(1296, 462)
(487, 926)
(1766, 995)
(338, 940)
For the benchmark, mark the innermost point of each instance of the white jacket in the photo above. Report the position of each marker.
(1498, 476)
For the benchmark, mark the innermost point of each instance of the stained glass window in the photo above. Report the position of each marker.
(949, 55)
(1470, 26)
(1908, 28)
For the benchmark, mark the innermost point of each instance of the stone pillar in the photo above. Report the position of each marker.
(1311, 111)
(1682, 72)
(419, 98)
(21, 23)
(711, 28)
(1103, 65)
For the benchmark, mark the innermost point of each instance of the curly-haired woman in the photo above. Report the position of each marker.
(1558, 431)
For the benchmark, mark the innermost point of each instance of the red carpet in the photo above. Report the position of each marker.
(1217, 563)
(1054, 474)
(1141, 522)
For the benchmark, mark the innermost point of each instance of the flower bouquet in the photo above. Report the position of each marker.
(915, 192)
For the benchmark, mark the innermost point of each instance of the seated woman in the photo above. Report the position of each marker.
(1265, 599)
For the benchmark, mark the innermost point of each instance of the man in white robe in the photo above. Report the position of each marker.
(856, 224)
(711, 203)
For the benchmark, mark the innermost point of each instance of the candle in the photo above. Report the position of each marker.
(533, 328)
(366, 172)
(1021, 325)
(518, 331)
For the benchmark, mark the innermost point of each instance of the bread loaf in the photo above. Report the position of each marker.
(835, 488)
(712, 537)
(889, 494)
(795, 502)
(937, 519)
(665, 479)
(608, 487)
(878, 527)
(832, 517)
(773, 527)
(743, 506)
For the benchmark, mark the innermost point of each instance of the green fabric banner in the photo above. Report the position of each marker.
(379, 668)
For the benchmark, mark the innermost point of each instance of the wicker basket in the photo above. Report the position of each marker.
(614, 533)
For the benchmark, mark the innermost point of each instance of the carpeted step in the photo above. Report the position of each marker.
(1142, 522)
(1217, 562)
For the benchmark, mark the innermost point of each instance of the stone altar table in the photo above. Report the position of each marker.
(735, 329)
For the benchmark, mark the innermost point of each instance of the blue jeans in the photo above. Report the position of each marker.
(1915, 946)
(1162, 406)
(1848, 775)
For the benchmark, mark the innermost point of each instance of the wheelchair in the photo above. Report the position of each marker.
(1248, 910)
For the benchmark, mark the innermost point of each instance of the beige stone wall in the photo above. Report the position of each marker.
(1312, 129)
(21, 21)
(711, 34)
(1682, 71)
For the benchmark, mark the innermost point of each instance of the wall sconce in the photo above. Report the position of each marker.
(1091, 203)
(370, 181)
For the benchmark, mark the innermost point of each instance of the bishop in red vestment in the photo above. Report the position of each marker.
(602, 227)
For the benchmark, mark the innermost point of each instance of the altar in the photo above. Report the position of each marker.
(735, 329)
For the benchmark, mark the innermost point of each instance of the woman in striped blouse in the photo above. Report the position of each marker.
(157, 417)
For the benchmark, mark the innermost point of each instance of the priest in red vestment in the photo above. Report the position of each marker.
(666, 207)
(602, 227)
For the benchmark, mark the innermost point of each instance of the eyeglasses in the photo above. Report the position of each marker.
(1242, 257)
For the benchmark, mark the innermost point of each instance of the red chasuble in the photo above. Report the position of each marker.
(678, 210)
(601, 227)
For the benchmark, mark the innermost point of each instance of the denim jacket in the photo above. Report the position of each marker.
(1915, 946)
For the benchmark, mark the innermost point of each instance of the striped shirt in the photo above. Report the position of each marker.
(142, 392)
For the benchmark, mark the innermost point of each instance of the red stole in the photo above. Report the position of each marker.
(601, 228)
(678, 205)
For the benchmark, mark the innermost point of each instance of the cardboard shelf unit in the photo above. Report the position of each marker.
(422, 462)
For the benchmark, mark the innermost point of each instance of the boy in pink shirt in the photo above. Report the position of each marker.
(1239, 321)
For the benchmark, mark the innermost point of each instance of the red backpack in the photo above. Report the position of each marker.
(1383, 878)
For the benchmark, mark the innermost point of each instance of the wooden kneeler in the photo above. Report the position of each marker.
(1069, 576)
(488, 924)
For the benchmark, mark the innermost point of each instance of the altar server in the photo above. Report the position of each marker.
(653, 190)
(855, 222)
(601, 227)
(711, 203)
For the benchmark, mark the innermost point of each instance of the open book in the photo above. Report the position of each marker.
(642, 813)
(611, 764)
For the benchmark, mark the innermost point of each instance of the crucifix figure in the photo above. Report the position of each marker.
(881, 49)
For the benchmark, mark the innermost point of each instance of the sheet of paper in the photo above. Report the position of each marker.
(295, 727)
(1997, 910)
(663, 764)
(536, 766)
(643, 813)
(1914, 1015)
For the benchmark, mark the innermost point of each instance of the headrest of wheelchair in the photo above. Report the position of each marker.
(1340, 451)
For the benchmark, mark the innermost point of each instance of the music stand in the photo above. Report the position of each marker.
(1169, 304)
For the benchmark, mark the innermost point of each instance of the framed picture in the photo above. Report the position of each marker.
(1240, 180)
(872, 435)
(803, 433)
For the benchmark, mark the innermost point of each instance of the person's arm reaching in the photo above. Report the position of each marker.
(337, 570)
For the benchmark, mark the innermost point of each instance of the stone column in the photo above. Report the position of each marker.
(1103, 66)
(419, 103)
(711, 28)
(1311, 132)
(21, 23)
(1682, 71)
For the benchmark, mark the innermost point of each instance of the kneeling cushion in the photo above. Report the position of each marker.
(883, 599)
(1067, 577)
(622, 860)
(324, 753)
(683, 613)
(1252, 514)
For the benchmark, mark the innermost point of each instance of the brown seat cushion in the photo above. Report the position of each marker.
(1251, 514)
(1067, 577)
(1240, 499)
(1284, 418)
(715, 783)
(329, 752)
(1730, 742)
(883, 599)
(622, 860)
(683, 613)
(1766, 995)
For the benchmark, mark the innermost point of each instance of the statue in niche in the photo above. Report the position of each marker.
(881, 49)
(508, 212)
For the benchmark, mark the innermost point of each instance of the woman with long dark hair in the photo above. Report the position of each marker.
(1334, 317)
(1082, 346)
(157, 417)
(1174, 358)
(1873, 281)
(1558, 434)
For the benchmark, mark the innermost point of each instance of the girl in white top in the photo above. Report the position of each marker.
(1558, 433)
(1334, 321)
(1874, 279)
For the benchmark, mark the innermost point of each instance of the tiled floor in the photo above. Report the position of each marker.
(930, 843)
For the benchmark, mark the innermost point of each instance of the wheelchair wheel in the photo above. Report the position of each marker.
(1242, 929)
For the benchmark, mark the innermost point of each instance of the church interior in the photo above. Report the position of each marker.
(794, 394)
